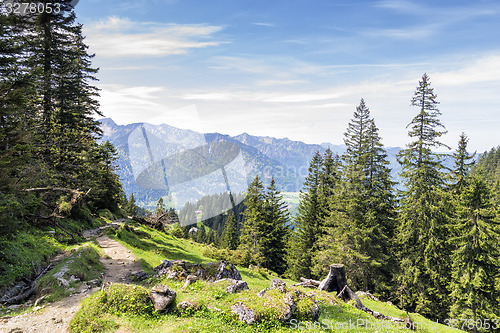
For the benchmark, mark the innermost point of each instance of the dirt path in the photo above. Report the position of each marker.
(54, 318)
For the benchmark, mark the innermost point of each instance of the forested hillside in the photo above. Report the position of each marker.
(53, 169)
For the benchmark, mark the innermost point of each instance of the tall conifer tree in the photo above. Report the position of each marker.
(254, 215)
(275, 230)
(229, 238)
(421, 234)
(474, 237)
(307, 223)
(357, 231)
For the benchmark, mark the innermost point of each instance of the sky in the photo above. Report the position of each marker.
(297, 68)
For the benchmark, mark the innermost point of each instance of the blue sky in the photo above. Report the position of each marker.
(297, 69)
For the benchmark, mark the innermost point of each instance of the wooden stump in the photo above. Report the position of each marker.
(336, 280)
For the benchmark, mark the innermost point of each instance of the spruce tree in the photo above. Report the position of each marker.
(201, 235)
(421, 237)
(307, 223)
(463, 162)
(274, 229)
(229, 238)
(254, 215)
(358, 229)
(474, 234)
(476, 254)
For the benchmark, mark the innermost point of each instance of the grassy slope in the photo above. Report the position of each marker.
(152, 247)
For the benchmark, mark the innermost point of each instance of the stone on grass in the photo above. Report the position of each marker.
(278, 284)
(246, 315)
(185, 305)
(227, 270)
(237, 286)
(162, 297)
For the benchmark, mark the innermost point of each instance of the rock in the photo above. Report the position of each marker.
(94, 283)
(189, 280)
(139, 276)
(175, 274)
(201, 274)
(227, 271)
(290, 306)
(185, 305)
(165, 264)
(63, 271)
(174, 269)
(162, 297)
(237, 287)
(262, 292)
(316, 311)
(63, 282)
(246, 315)
(14, 307)
(279, 285)
(336, 280)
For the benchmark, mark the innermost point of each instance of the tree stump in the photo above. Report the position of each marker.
(335, 281)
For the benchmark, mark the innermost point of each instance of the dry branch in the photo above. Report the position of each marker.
(28, 292)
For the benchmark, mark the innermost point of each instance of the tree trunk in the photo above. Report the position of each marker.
(335, 281)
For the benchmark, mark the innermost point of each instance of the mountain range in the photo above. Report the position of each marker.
(284, 159)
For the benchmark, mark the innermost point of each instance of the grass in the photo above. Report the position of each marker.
(152, 247)
(21, 253)
(25, 251)
(105, 311)
(83, 265)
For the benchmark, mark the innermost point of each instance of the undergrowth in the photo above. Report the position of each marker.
(82, 265)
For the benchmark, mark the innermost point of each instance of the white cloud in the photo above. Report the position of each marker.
(484, 69)
(266, 83)
(300, 98)
(120, 37)
(264, 24)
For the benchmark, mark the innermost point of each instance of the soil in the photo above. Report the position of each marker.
(55, 317)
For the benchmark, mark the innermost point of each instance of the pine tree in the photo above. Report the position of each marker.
(307, 224)
(421, 233)
(229, 238)
(275, 230)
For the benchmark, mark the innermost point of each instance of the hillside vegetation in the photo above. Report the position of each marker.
(130, 307)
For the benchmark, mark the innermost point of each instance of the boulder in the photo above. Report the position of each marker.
(185, 305)
(316, 311)
(139, 276)
(262, 292)
(201, 274)
(189, 280)
(278, 284)
(246, 315)
(227, 270)
(290, 306)
(237, 287)
(174, 273)
(162, 297)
